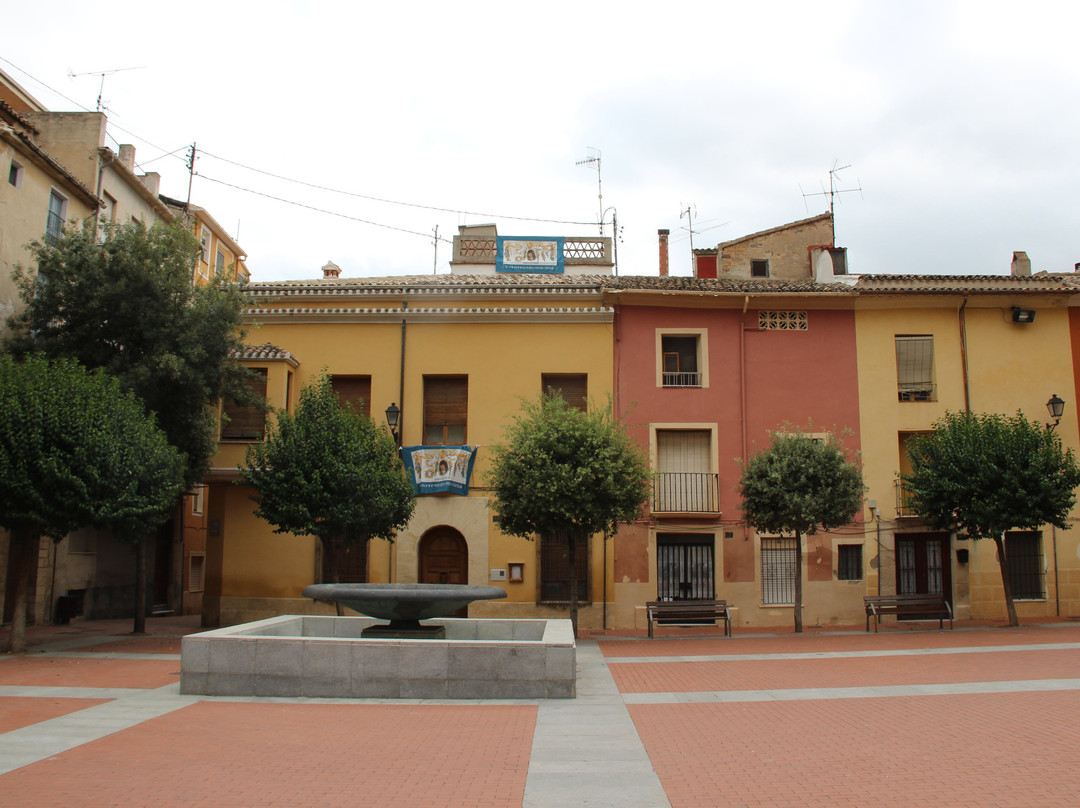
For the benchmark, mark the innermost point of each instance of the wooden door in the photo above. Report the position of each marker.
(444, 559)
(923, 564)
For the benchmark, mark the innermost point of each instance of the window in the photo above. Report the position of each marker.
(779, 566)
(915, 368)
(1024, 560)
(446, 406)
(849, 562)
(198, 497)
(246, 422)
(196, 572)
(54, 226)
(15, 174)
(684, 481)
(573, 387)
(354, 390)
(555, 570)
(204, 246)
(759, 268)
(684, 566)
(219, 264)
(680, 361)
(106, 217)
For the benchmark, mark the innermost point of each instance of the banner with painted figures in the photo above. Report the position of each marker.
(536, 254)
(439, 469)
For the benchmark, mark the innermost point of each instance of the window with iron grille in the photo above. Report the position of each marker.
(573, 387)
(915, 368)
(246, 422)
(1024, 560)
(446, 408)
(685, 567)
(344, 565)
(779, 566)
(54, 225)
(849, 562)
(555, 570)
(354, 390)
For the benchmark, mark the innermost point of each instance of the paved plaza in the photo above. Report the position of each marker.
(979, 716)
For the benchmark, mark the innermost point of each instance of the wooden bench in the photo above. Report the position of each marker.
(921, 607)
(688, 613)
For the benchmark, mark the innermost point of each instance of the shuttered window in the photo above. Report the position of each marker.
(354, 390)
(446, 407)
(915, 368)
(573, 387)
(246, 422)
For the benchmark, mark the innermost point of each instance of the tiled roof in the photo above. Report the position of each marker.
(267, 352)
(1039, 283)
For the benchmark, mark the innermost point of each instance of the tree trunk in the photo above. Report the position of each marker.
(1010, 607)
(798, 582)
(571, 557)
(140, 585)
(20, 549)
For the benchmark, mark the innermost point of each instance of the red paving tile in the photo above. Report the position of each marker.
(19, 711)
(970, 751)
(824, 643)
(265, 755)
(41, 671)
(782, 674)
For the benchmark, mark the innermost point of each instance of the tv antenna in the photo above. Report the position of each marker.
(688, 213)
(833, 192)
(103, 74)
(592, 159)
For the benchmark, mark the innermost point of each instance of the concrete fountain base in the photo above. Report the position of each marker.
(326, 657)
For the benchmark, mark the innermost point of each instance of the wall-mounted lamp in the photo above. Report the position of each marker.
(393, 416)
(1020, 315)
(1056, 406)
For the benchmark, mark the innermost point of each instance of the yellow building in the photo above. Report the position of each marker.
(928, 345)
(456, 354)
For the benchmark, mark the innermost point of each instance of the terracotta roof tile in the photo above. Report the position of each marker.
(1039, 283)
(267, 352)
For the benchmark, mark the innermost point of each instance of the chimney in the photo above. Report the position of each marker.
(663, 251)
(1021, 265)
(331, 270)
(127, 155)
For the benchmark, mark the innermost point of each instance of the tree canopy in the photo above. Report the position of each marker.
(329, 471)
(985, 474)
(798, 484)
(566, 473)
(128, 305)
(77, 450)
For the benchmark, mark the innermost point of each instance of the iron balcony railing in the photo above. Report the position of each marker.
(672, 379)
(686, 492)
(905, 505)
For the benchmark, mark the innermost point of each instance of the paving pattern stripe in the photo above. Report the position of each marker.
(981, 649)
(880, 692)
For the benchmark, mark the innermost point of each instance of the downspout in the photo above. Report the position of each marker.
(742, 394)
(400, 429)
(615, 399)
(962, 318)
(1057, 590)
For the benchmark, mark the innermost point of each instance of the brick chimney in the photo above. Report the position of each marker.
(663, 251)
(1021, 264)
(331, 270)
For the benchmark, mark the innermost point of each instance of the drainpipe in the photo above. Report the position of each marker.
(400, 429)
(1057, 590)
(962, 318)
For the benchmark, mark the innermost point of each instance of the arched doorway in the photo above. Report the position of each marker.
(444, 559)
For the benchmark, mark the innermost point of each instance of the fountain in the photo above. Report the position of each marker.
(358, 657)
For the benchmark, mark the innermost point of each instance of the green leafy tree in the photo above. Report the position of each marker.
(985, 474)
(797, 485)
(566, 474)
(76, 450)
(329, 471)
(128, 305)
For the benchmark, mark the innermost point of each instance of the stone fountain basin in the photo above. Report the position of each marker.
(403, 602)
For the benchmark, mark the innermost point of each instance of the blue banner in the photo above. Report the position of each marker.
(439, 469)
(542, 254)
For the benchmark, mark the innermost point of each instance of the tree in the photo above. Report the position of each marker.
(985, 474)
(329, 471)
(566, 474)
(796, 485)
(76, 450)
(128, 305)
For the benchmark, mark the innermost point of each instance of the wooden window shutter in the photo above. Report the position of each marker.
(355, 390)
(573, 387)
(446, 407)
(246, 422)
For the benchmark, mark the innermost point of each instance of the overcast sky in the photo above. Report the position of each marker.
(959, 121)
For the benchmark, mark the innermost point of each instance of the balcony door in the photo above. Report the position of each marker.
(685, 482)
(922, 564)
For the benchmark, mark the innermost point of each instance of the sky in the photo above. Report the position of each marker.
(353, 131)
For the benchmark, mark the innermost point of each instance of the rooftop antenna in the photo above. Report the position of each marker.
(103, 74)
(833, 192)
(688, 213)
(592, 158)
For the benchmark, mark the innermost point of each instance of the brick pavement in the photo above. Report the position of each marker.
(819, 719)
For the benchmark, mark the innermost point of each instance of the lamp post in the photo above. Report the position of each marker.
(1056, 406)
(393, 416)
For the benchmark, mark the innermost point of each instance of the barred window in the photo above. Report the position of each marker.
(1024, 560)
(779, 566)
(849, 562)
(782, 320)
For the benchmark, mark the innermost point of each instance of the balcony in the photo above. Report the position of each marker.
(684, 379)
(904, 506)
(920, 391)
(686, 492)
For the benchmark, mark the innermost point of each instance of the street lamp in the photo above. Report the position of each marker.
(1056, 406)
(393, 415)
